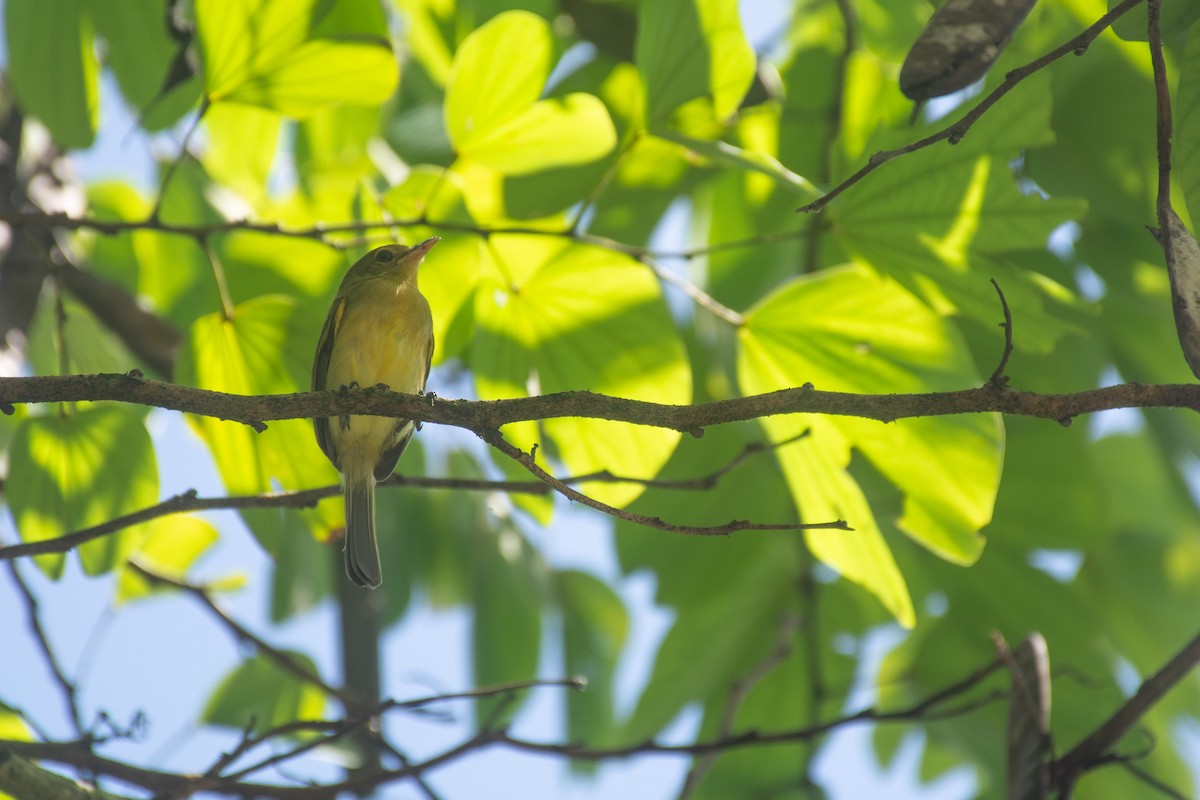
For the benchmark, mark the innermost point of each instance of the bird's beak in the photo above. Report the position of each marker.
(418, 252)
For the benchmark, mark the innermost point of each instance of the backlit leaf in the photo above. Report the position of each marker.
(554, 317)
(286, 55)
(78, 469)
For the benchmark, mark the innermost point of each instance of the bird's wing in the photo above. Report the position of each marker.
(321, 369)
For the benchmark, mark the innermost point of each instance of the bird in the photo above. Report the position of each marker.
(379, 331)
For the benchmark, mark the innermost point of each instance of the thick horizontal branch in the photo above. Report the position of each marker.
(487, 415)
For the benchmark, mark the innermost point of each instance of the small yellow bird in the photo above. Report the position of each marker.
(378, 331)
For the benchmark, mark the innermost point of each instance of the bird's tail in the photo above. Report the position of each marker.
(362, 551)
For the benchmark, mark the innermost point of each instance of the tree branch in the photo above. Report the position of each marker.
(955, 132)
(23, 780)
(306, 498)
(481, 416)
(527, 460)
(241, 633)
(932, 707)
(1093, 749)
(67, 687)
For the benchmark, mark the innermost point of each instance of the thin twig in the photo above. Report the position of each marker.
(497, 440)
(306, 498)
(67, 688)
(1153, 782)
(785, 637)
(998, 377)
(697, 295)
(175, 162)
(932, 707)
(955, 132)
(283, 660)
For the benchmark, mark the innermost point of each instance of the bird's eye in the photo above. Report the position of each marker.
(383, 256)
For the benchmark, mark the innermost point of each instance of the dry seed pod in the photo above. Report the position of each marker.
(1183, 266)
(958, 45)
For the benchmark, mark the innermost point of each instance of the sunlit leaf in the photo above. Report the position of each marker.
(943, 220)
(169, 548)
(847, 330)
(256, 351)
(488, 86)
(77, 469)
(283, 55)
(554, 317)
(241, 147)
(574, 129)
(493, 114)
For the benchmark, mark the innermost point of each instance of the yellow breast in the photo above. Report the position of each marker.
(384, 337)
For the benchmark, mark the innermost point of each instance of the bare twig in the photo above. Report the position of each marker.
(283, 660)
(1154, 783)
(955, 132)
(497, 440)
(788, 626)
(998, 377)
(934, 707)
(306, 498)
(67, 688)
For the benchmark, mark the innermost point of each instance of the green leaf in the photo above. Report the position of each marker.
(575, 129)
(77, 469)
(692, 48)
(554, 316)
(52, 66)
(260, 695)
(493, 114)
(1187, 124)
(487, 85)
(594, 629)
(241, 144)
(331, 148)
(256, 350)
(13, 725)
(711, 645)
(849, 330)
(726, 154)
(144, 58)
(114, 256)
(943, 220)
(187, 290)
(507, 625)
(1174, 16)
(295, 56)
(169, 548)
